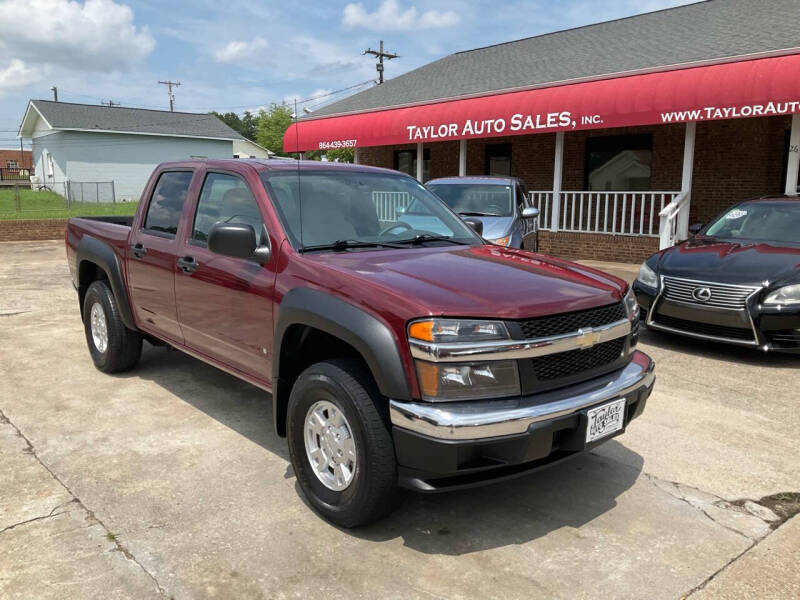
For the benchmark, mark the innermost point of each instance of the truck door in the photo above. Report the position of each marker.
(153, 253)
(224, 303)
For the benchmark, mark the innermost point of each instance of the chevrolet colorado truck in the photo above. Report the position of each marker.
(396, 357)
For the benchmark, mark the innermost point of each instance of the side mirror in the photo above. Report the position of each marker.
(693, 229)
(476, 225)
(530, 212)
(237, 240)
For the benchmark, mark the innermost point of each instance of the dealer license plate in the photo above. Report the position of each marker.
(605, 420)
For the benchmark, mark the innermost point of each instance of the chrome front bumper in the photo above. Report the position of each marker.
(493, 418)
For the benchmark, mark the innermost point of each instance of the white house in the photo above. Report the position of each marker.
(88, 143)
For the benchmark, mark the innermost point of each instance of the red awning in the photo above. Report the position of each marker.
(752, 88)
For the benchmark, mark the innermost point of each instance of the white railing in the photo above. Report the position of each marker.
(387, 203)
(674, 221)
(616, 213)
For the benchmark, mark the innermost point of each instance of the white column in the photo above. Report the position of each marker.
(462, 158)
(686, 180)
(355, 156)
(793, 166)
(558, 169)
(420, 161)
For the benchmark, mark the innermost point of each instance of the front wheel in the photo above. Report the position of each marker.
(340, 446)
(113, 346)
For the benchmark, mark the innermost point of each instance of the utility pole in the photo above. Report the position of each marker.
(21, 154)
(380, 54)
(54, 89)
(109, 103)
(169, 85)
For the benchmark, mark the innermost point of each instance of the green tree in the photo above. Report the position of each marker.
(345, 155)
(246, 125)
(272, 124)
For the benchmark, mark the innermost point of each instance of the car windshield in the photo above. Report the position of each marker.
(476, 198)
(759, 221)
(346, 209)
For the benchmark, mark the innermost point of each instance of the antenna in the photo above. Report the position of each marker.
(299, 192)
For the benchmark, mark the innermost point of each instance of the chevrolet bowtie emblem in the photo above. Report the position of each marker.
(587, 337)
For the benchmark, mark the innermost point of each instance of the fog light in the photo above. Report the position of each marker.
(467, 381)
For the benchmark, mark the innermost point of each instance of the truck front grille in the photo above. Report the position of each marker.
(572, 321)
(572, 362)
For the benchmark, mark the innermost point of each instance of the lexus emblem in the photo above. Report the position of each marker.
(587, 337)
(701, 294)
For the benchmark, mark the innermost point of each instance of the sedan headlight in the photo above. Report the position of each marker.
(503, 241)
(788, 294)
(647, 276)
(631, 306)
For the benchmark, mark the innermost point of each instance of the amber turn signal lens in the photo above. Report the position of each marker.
(428, 374)
(421, 330)
(503, 241)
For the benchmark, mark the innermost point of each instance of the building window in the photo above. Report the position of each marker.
(498, 159)
(619, 163)
(12, 164)
(405, 161)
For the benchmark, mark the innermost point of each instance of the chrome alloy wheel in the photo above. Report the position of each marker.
(330, 446)
(97, 320)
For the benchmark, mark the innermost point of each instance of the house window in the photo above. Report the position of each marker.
(498, 159)
(12, 164)
(619, 163)
(405, 161)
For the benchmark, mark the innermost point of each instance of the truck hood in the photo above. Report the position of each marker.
(476, 281)
(711, 259)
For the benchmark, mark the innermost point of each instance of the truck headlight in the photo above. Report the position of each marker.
(788, 294)
(647, 276)
(467, 381)
(457, 330)
(631, 306)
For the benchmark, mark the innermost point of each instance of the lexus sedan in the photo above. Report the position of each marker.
(737, 280)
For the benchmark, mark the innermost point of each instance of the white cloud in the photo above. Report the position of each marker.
(98, 35)
(17, 74)
(318, 97)
(241, 50)
(390, 17)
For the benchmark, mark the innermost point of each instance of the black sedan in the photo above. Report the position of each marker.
(736, 281)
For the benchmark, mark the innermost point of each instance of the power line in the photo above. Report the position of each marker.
(169, 83)
(380, 54)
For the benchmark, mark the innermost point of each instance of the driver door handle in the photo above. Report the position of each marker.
(138, 250)
(188, 264)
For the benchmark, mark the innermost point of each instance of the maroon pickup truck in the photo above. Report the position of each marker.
(398, 352)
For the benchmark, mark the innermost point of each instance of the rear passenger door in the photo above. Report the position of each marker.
(225, 303)
(152, 256)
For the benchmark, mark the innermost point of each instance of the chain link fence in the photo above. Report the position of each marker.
(90, 197)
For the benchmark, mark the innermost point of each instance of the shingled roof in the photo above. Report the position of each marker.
(712, 31)
(90, 117)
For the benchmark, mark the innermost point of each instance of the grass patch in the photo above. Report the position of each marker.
(49, 205)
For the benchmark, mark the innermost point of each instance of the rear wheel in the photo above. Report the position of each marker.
(340, 445)
(113, 346)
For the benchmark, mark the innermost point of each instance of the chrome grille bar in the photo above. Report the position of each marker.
(720, 295)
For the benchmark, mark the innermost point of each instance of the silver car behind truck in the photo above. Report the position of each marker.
(496, 203)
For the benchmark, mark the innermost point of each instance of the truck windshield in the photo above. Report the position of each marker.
(476, 198)
(345, 209)
(759, 221)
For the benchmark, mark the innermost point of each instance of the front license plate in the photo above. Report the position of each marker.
(605, 420)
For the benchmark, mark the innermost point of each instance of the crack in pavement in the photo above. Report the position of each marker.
(49, 515)
(4, 420)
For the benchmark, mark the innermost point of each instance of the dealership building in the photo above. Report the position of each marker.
(625, 132)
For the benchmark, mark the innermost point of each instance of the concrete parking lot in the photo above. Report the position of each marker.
(169, 482)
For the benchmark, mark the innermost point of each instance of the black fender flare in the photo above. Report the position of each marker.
(371, 337)
(103, 256)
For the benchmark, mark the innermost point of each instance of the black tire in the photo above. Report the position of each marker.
(347, 384)
(124, 346)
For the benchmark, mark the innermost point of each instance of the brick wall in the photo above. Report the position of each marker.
(617, 248)
(11, 154)
(40, 229)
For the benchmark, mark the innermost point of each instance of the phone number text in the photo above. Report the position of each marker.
(337, 144)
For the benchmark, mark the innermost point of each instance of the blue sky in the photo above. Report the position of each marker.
(244, 54)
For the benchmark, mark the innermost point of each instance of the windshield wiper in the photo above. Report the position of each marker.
(425, 237)
(470, 213)
(347, 244)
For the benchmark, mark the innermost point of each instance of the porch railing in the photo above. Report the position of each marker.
(674, 221)
(616, 213)
(15, 174)
(387, 203)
